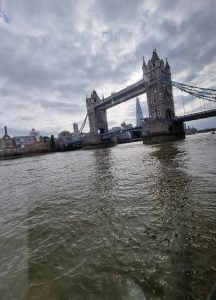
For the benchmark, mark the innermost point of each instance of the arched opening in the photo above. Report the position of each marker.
(170, 128)
(156, 113)
(169, 114)
(101, 131)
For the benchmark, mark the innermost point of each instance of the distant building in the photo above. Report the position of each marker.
(116, 129)
(123, 136)
(126, 126)
(68, 141)
(35, 134)
(20, 145)
(64, 139)
(190, 130)
(75, 127)
(32, 143)
(25, 140)
(139, 114)
(7, 144)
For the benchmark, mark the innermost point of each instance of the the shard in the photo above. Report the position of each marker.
(139, 114)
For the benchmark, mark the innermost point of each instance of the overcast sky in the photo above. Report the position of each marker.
(54, 52)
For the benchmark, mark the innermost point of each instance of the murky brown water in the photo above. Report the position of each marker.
(129, 222)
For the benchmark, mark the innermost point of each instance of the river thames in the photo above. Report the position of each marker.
(129, 222)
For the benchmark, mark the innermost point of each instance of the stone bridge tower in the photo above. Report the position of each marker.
(160, 100)
(97, 117)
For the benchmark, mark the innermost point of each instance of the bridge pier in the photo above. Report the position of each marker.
(161, 130)
(94, 141)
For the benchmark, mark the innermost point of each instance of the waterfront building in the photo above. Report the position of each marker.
(23, 141)
(26, 140)
(64, 139)
(69, 141)
(32, 143)
(35, 134)
(7, 144)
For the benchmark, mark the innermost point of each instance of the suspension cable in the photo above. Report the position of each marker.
(183, 102)
(203, 93)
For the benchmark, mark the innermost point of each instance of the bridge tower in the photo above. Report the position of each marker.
(97, 117)
(160, 101)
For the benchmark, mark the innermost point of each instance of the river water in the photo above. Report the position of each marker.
(130, 222)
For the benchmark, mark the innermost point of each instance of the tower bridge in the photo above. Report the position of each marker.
(162, 123)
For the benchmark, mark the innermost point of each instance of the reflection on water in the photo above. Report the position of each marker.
(129, 222)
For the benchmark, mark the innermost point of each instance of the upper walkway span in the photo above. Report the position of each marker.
(123, 95)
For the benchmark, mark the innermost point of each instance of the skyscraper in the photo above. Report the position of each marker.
(139, 114)
(75, 127)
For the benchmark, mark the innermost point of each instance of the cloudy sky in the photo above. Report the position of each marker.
(55, 52)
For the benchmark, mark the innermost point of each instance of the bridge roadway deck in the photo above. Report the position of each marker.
(123, 95)
(196, 116)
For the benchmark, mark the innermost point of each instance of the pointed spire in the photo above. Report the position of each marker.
(167, 64)
(154, 56)
(150, 64)
(144, 64)
(162, 62)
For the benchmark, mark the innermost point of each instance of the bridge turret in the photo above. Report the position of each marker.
(155, 59)
(144, 66)
(97, 117)
(160, 100)
(150, 65)
(162, 64)
(159, 95)
(167, 67)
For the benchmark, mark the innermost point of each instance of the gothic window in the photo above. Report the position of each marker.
(156, 113)
(151, 76)
(167, 95)
(169, 114)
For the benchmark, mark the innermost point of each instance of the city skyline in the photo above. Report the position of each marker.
(65, 50)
